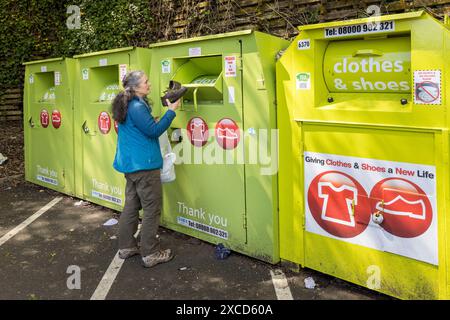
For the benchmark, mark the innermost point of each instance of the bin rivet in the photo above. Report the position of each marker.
(330, 99)
(403, 101)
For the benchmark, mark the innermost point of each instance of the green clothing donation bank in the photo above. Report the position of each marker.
(98, 80)
(48, 124)
(364, 153)
(224, 137)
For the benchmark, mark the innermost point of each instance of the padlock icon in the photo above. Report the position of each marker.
(377, 217)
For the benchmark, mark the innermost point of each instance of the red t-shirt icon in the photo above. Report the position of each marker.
(339, 204)
(104, 122)
(197, 131)
(44, 116)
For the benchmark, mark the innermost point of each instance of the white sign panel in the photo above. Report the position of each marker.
(47, 180)
(85, 73)
(103, 62)
(304, 44)
(303, 81)
(122, 71)
(57, 78)
(231, 95)
(358, 29)
(383, 205)
(165, 66)
(202, 227)
(230, 66)
(195, 52)
(427, 87)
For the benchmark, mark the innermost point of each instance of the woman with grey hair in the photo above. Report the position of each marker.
(138, 156)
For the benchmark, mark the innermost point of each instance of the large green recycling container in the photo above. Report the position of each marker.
(364, 153)
(225, 139)
(98, 80)
(48, 123)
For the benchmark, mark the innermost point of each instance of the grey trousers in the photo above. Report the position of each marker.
(143, 190)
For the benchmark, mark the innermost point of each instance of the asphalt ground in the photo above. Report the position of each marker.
(67, 252)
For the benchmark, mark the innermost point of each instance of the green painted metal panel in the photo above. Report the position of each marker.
(202, 38)
(104, 52)
(42, 61)
(48, 124)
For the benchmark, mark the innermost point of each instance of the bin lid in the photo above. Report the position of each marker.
(209, 37)
(400, 16)
(90, 54)
(43, 61)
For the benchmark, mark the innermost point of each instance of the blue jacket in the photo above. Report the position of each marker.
(137, 143)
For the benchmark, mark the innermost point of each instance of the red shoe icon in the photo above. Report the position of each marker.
(400, 206)
(406, 208)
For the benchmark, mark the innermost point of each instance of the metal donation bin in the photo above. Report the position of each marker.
(224, 139)
(48, 123)
(98, 81)
(364, 153)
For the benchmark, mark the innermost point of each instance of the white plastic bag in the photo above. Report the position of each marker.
(168, 169)
(310, 283)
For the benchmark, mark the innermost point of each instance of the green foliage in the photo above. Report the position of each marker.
(108, 25)
(27, 30)
(37, 29)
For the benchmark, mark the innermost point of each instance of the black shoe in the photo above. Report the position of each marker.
(174, 85)
(173, 93)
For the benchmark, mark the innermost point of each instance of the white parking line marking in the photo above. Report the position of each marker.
(28, 221)
(281, 285)
(108, 278)
(110, 275)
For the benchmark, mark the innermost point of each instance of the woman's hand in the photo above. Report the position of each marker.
(173, 106)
